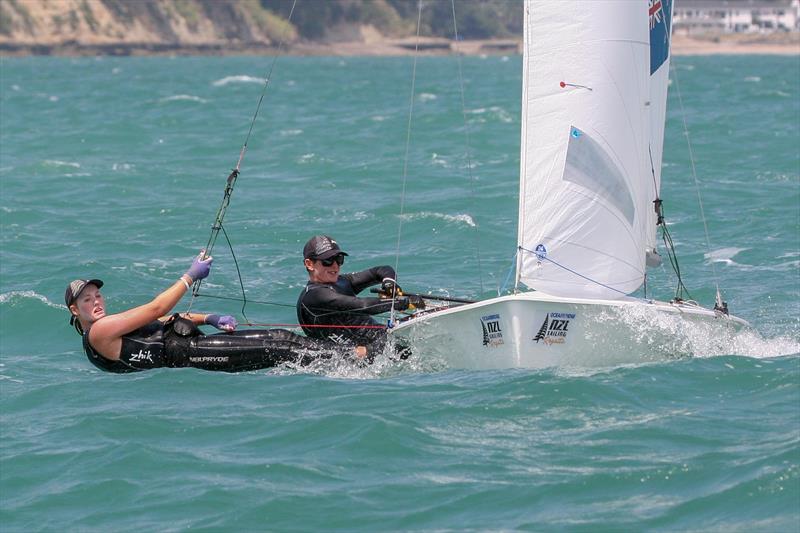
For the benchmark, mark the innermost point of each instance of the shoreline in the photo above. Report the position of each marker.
(773, 44)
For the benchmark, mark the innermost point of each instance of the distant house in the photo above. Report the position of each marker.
(736, 16)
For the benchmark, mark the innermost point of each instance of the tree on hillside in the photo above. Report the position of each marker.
(477, 19)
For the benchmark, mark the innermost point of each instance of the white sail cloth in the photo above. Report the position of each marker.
(586, 184)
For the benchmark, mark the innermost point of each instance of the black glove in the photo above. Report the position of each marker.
(390, 288)
(416, 301)
(401, 303)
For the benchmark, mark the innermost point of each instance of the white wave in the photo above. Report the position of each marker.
(236, 79)
(436, 159)
(461, 219)
(494, 112)
(183, 97)
(669, 334)
(754, 79)
(723, 255)
(427, 97)
(291, 133)
(58, 163)
(121, 166)
(752, 344)
(11, 297)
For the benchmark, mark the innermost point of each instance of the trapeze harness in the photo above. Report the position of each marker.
(179, 343)
(333, 305)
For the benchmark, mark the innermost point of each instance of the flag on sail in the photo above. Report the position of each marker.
(660, 12)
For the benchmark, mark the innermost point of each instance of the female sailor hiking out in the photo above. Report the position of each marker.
(146, 337)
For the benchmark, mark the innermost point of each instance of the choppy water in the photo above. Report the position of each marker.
(115, 167)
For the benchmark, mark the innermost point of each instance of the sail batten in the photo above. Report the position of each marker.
(586, 184)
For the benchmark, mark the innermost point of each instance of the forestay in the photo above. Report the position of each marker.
(586, 212)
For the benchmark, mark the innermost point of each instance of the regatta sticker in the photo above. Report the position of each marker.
(492, 333)
(555, 328)
(660, 12)
(541, 252)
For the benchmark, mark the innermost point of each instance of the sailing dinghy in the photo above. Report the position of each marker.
(594, 97)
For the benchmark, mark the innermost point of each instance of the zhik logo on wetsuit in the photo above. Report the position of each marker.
(142, 356)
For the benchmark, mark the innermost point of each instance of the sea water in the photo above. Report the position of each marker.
(115, 168)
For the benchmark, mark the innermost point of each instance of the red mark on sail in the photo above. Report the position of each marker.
(564, 84)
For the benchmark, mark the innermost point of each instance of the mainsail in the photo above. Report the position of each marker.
(586, 185)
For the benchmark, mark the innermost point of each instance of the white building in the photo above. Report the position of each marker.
(736, 16)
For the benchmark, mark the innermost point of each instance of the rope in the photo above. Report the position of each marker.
(694, 176)
(279, 304)
(278, 325)
(408, 145)
(673, 260)
(508, 276)
(575, 272)
(231, 181)
(467, 142)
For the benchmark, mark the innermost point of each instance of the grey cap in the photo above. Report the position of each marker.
(75, 288)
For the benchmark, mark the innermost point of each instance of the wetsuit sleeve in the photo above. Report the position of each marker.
(367, 278)
(323, 300)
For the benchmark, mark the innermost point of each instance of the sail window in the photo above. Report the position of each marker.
(589, 166)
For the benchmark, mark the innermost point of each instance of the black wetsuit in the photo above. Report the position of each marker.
(179, 343)
(336, 304)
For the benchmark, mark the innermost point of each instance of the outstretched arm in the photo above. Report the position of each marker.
(106, 334)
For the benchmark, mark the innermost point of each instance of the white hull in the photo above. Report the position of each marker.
(535, 330)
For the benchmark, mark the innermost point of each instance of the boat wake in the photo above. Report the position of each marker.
(662, 335)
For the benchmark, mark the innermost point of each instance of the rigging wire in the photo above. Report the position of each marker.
(231, 180)
(408, 146)
(669, 245)
(719, 302)
(467, 141)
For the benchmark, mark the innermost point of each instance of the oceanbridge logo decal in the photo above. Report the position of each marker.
(492, 334)
(555, 328)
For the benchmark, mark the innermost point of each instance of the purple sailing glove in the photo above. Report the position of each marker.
(224, 322)
(200, 267)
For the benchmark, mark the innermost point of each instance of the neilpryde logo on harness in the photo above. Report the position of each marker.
(209, 359)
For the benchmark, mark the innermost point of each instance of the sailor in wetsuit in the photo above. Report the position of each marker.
(329, 308)
(144, 337)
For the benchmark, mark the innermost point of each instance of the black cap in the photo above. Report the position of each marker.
(75, 288)
(321, 247)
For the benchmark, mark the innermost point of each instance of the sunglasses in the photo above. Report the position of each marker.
(338, 259)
